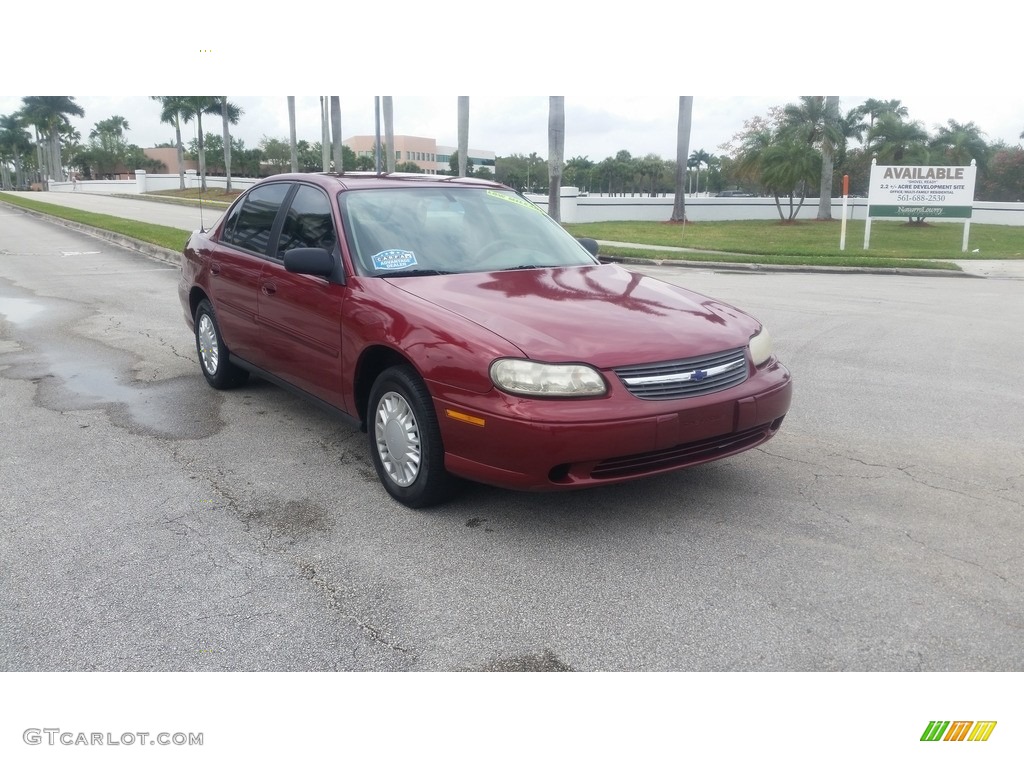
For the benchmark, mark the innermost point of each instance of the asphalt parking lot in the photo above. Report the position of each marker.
(155, 524)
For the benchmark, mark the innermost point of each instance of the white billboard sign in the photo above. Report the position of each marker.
(921, 191)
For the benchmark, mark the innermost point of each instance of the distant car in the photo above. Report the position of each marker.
(472, 337)
(734, 193)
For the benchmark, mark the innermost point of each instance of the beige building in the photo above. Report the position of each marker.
(426, 153)
(169, 157)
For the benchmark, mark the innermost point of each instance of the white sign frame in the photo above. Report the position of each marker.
(935, 191)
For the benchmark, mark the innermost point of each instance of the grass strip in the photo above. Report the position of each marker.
(818, 240)
(154, 234)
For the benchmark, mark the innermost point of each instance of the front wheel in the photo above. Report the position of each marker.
(405, 440)
(214, 358)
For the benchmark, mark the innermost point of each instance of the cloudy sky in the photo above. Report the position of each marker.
(619, 73)
(595, 127)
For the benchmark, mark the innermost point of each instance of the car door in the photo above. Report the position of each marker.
(237, 263)
(300, 315)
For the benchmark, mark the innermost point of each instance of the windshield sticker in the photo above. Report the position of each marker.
(394, 258)
(512, 199)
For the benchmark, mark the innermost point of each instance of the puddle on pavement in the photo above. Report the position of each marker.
(73, 373)
(19, 311)
(184, 407)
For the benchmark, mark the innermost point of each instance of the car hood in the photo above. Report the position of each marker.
(604, 315)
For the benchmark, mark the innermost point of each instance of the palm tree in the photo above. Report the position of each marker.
(697, 158)
(816, 120)
(895, 107)
(15, 141)
(531, 163)
(49, 115)
(172, 109)
(832, 139)
(788, 165)
(107, 148)
(852, 125)
(651, 167)
(556, 152)
(463, 134)
(961, 142)
(750, 155)
(875, 108)
(682, 152)
(894, 141)
(229, 114)
(115, 125)
(578, 171)
(194, 109)
(5, 170)
(389, 132)
(325, 134)
(339, 158)
(293, 145)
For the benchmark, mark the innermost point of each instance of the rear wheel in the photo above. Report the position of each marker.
(405, 441)
(214, 357)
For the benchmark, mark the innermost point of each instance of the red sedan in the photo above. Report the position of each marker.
(471, 337)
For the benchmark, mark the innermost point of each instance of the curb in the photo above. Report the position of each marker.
(791, 268)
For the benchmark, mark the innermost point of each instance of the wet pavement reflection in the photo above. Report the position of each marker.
(75, 373)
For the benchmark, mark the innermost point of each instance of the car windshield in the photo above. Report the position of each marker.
(434, 230)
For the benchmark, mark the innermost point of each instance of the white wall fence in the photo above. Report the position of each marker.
(144, 183)
(584, 209)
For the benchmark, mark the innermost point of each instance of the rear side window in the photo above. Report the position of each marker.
(249, 225)
(308, 223)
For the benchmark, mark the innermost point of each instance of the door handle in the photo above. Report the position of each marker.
(268, 288)
(214, 268)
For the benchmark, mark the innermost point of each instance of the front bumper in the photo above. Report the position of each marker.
(546, 445)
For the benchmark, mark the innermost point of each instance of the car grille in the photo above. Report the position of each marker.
(683, 455)
(686, 378)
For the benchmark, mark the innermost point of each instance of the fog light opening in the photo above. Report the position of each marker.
(559, 474)
(776, 424)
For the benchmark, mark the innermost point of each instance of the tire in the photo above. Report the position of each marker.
(214, 357)
(405, 441)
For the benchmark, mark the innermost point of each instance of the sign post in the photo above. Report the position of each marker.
(933, 191)
(842, 228)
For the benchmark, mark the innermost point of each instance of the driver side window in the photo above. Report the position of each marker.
(249, 226)
(309, 223)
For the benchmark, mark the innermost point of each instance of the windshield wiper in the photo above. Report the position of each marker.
(414, 273)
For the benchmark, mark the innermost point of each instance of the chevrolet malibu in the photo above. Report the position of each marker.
(471, 337)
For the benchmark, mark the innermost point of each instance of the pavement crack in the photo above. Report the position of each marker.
(179, 526)
(958, 559)
(906, 471)
(788, 458)
(330, 592)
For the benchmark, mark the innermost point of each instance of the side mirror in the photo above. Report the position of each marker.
(589, 243)
(309, 261)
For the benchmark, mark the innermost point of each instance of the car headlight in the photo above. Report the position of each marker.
(761, 346)
(526, 377)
